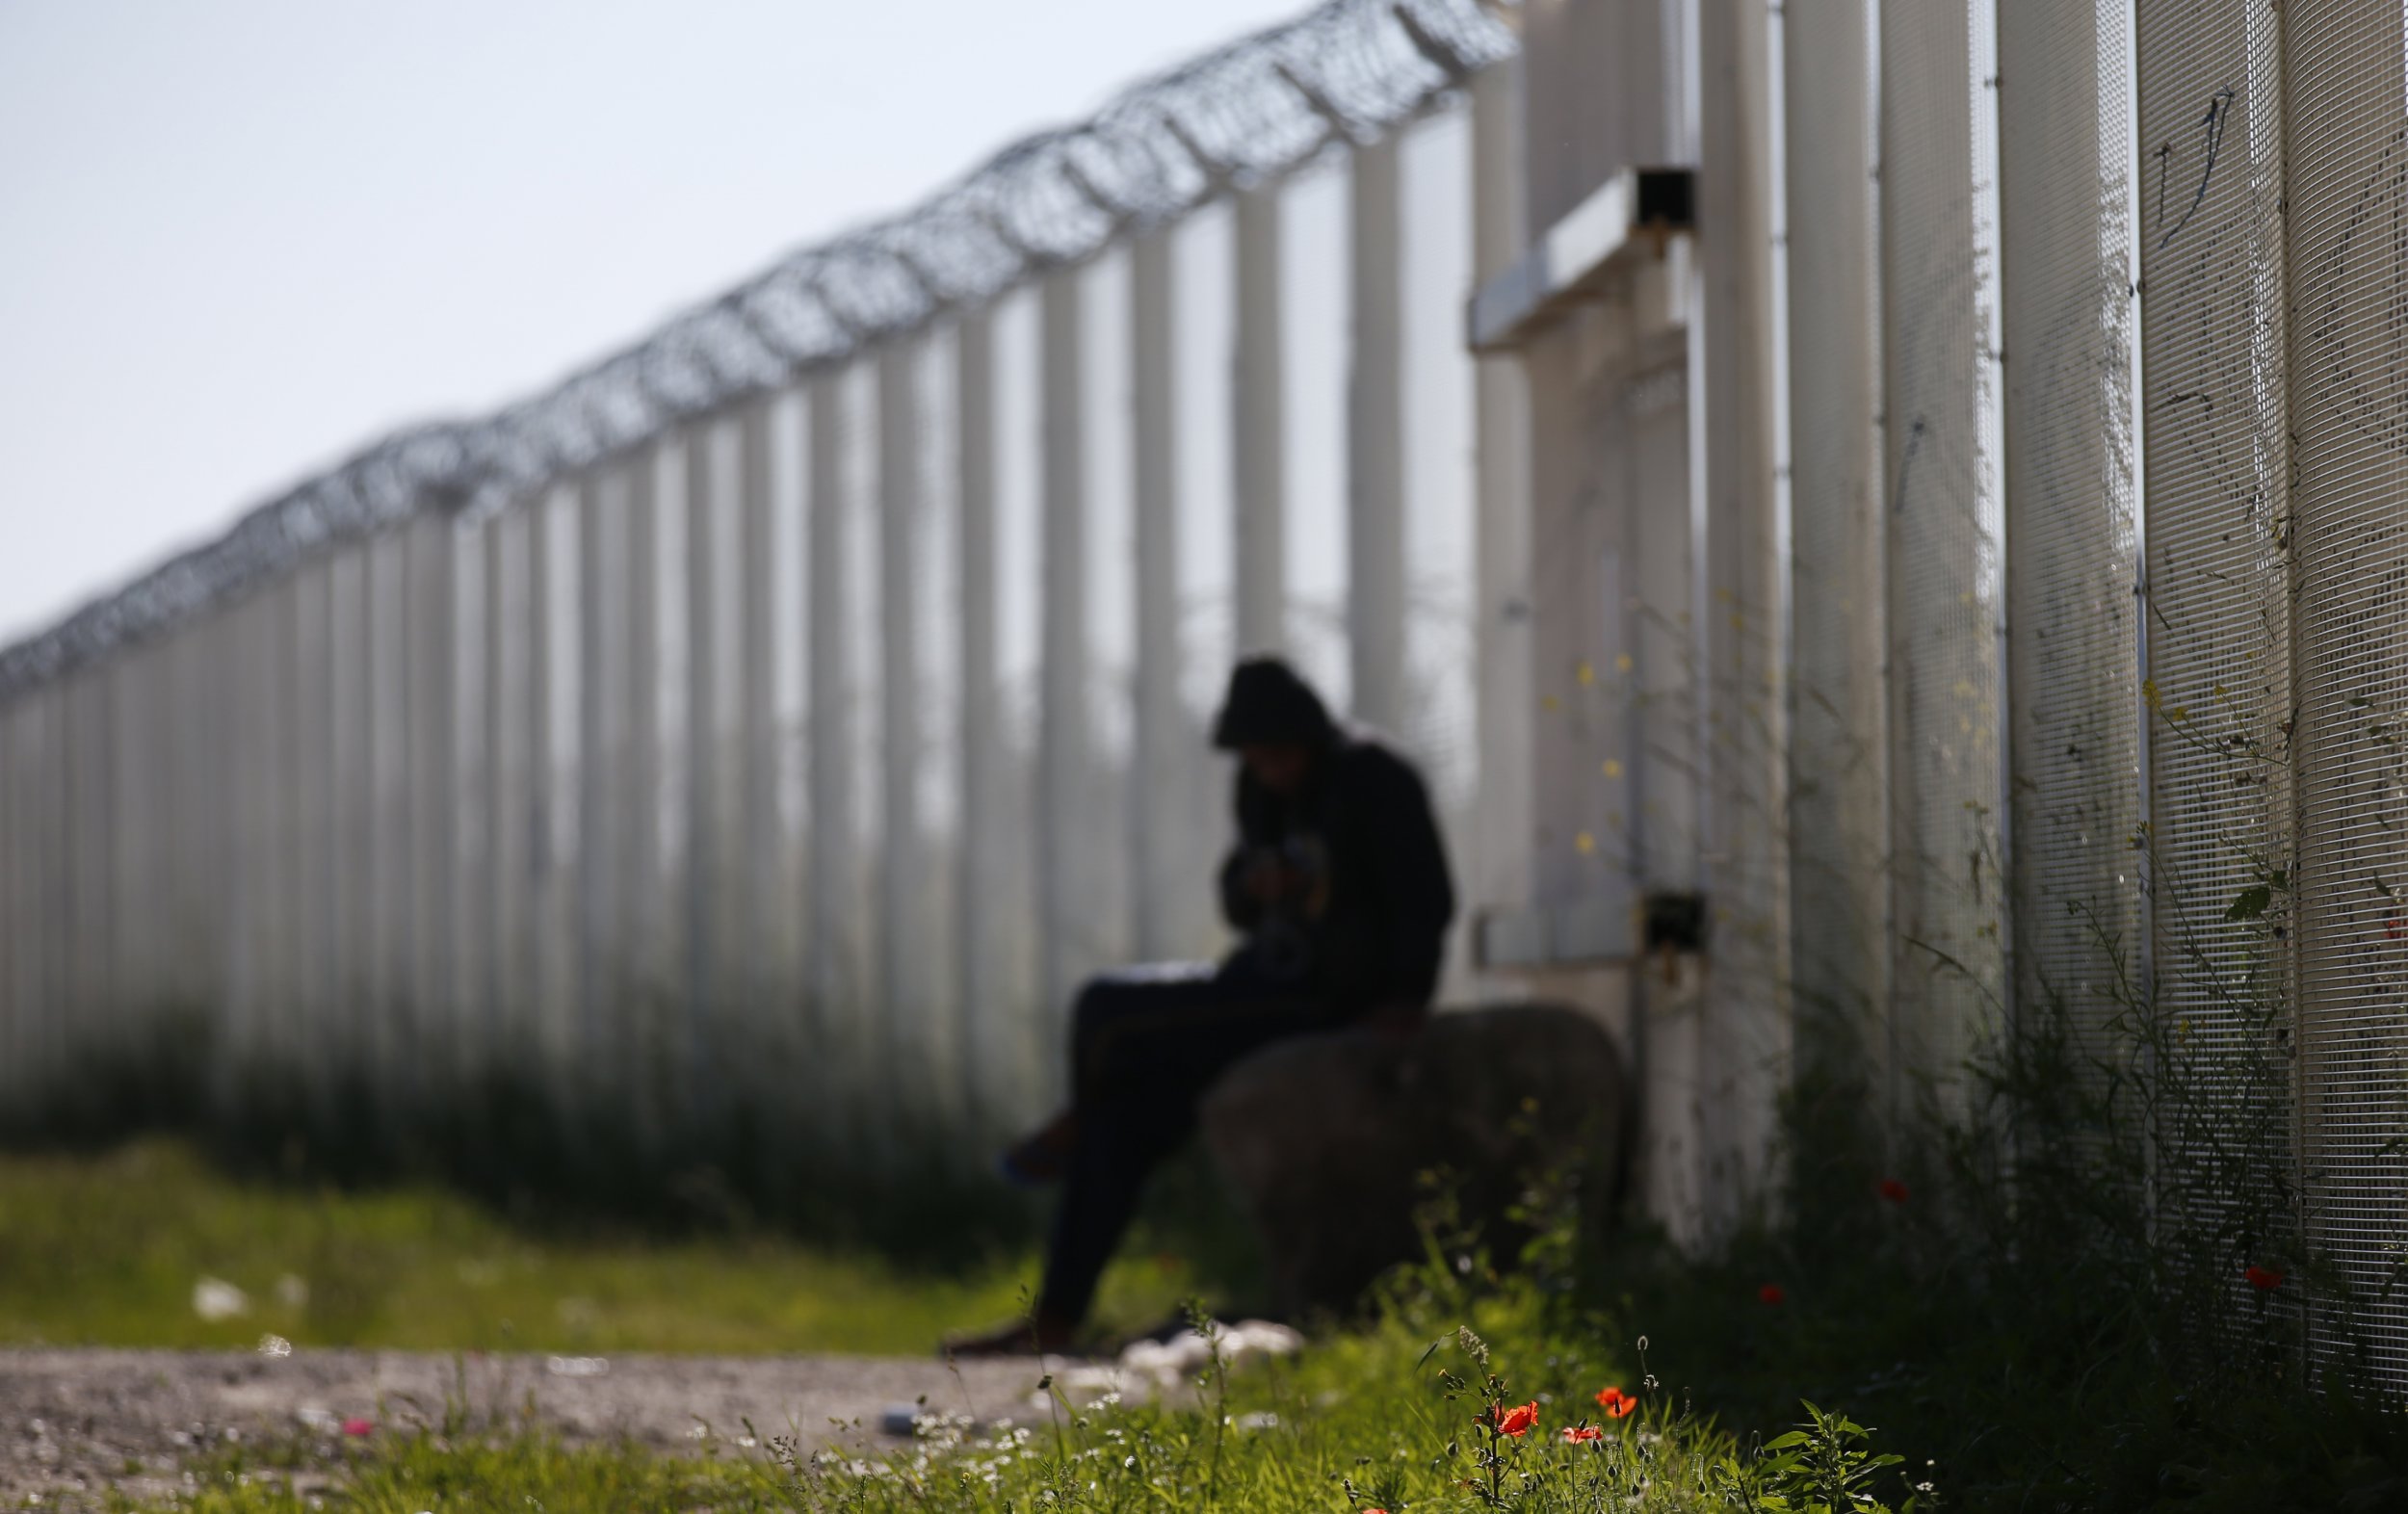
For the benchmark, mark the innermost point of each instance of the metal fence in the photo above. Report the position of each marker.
(2111, 294)
(755, 738)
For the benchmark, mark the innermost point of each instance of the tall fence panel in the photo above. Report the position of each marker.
(2346, 198)
(1838, 751)
(2218, 684)
(2068, 197)
(1945, 548)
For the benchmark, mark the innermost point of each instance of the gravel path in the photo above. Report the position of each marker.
(74, 1423)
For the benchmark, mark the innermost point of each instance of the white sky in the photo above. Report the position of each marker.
(240, 240)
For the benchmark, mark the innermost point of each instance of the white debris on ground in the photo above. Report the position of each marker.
(216, 1298)
(319, 1418)
(273, 1345)
(1163, 1365)
(578, 1366)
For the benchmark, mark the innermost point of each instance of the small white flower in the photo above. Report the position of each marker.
(216, 1298)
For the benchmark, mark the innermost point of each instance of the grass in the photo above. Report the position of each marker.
(2007, 1370)
(106, 1251)
(1978, 1404)
(1389, 1417)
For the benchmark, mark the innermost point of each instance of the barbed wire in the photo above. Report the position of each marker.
(1239, 115)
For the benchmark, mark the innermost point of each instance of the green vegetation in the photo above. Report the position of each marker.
(107, 1251)
(1961, 1369)
(1389, 1417)
(2044, 1343)
(1976, 1409)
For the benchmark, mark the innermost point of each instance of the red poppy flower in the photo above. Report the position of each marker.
(1772, 1293)
(2263, 1279)
(2396, 928)
(359, 1426)
(1617, 1403)
(1516, 1422)
(1893, 1190)
(1577, 1434)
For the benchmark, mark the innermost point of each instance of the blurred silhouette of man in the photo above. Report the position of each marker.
(1339, 890)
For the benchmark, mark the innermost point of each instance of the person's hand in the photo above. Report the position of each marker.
(1265, 878)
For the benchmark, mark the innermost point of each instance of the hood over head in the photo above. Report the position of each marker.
(1271, 705)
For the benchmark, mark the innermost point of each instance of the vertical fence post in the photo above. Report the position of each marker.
(128, 803)
(1376, 515)
(282, 819)
(1838, 753)
(639, 1064)
(58, 947)
(601, 815)
(705, 1094)
(990, 1063)
(17, 771)
(835, 978)
(85, 779)
(350, 851)
(311, 798)
(1504, 694)
(394, 846)
(18, 1005)
(1745, 1031)
(130, 825)
(1944, 610)
(1062, 810)
(245, 666)
(470, 823)
(504, 925)
(1259, 427)
(1158, 829)
(761, 832)
(2348, 622)
(903, 918)
(37, 904)
(13, 1010)
(433, 714)
(543, 970)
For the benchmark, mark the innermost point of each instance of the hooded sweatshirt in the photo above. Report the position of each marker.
(1371, 931)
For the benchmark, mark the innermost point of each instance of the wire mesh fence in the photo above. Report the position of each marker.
(744, 749)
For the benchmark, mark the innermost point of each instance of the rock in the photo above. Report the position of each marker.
(1324, 1139)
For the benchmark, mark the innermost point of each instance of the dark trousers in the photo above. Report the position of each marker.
(1144, 1045)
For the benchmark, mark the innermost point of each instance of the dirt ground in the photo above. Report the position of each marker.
(76, 1422)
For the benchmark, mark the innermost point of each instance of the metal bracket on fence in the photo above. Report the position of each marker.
(1637, 208)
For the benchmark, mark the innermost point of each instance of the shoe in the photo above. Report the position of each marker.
(1020, 1338)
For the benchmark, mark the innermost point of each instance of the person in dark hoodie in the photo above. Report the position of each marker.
(1339, 890)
